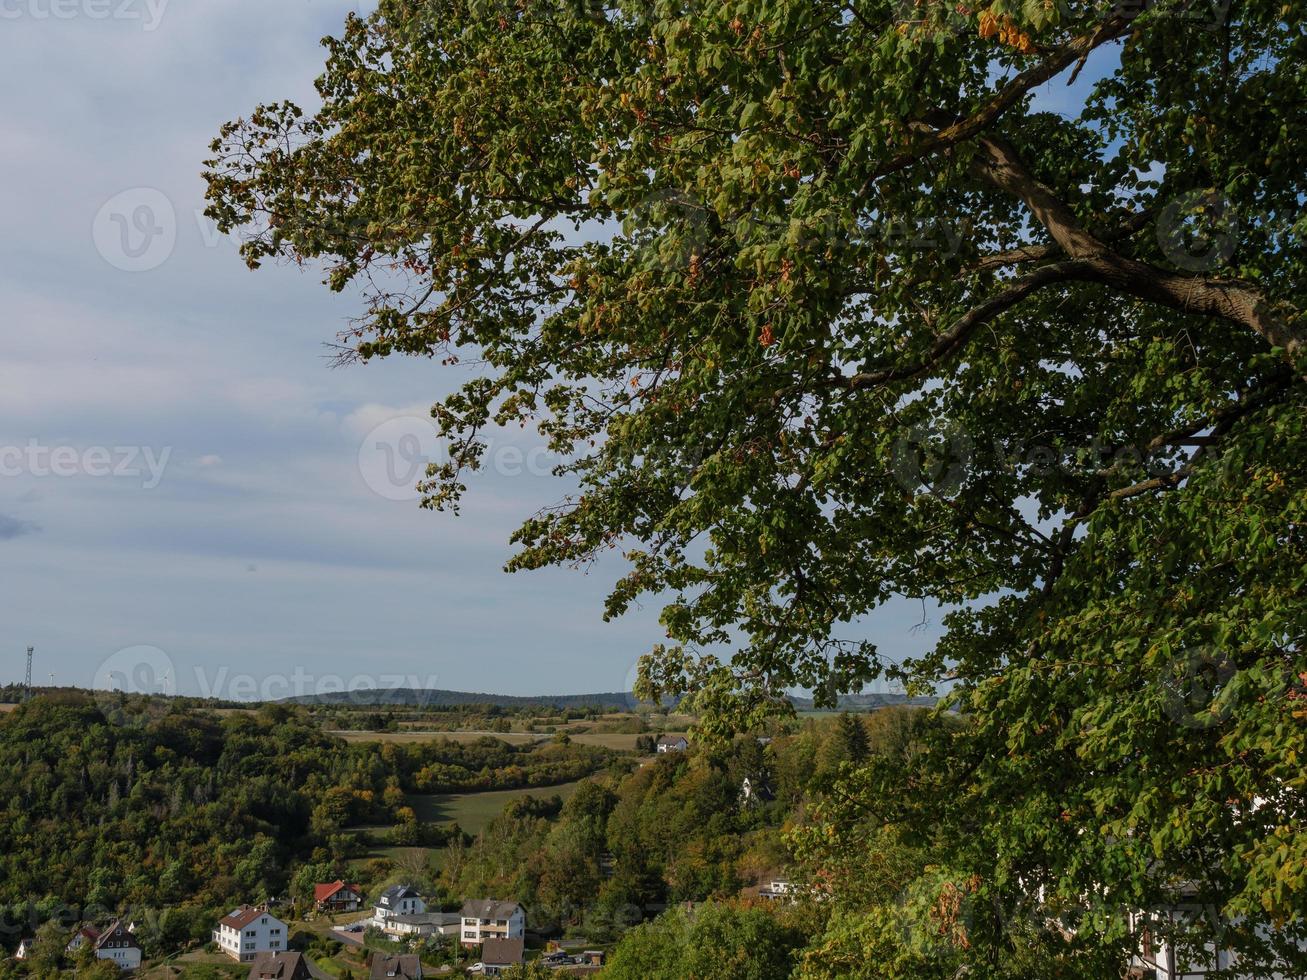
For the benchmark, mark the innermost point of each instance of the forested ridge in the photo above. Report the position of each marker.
(110, 805)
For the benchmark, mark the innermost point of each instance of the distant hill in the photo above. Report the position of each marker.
(613, 700)
(431, 698)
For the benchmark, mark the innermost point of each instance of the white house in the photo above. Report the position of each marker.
(422, 924)
(248, 932)
(488, 919)
(397, 900)
(117, 945)
(673, 743)
(25, 948)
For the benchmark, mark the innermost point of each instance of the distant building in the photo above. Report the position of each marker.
(247, 932)
(488, 919)
(280, 966)
(673, 743)
(402, 967)
(779, 889)
(338, 896)
(397, 900)
(755, 793)
(497, 955)
(25, 947)
(117, 945)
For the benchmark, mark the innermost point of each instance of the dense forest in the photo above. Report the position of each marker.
(112, 805)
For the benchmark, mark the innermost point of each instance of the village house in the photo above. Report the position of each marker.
(488, 919)
(497, 955)
(388, 966)
(673, 743)
(117, 945)
(338, 896)
(84, 934)
(397, 900)
(422, 924)
(778, 889)
(280, 966)
(249, 931)
(25, 947)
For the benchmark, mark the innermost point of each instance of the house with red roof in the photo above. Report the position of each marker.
(338, 896)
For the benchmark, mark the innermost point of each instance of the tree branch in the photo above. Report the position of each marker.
(1001, 166)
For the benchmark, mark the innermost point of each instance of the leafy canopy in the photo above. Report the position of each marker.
(819, 309)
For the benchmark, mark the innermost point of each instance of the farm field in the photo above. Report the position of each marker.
(473, 811)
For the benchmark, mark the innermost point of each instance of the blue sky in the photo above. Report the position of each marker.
(182, 474)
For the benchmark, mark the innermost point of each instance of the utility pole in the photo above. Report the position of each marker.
(27, 686)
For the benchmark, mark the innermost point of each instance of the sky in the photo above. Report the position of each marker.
(191, 497)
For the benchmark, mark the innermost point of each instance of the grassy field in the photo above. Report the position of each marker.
(7, 707)
(473, 811)
(203, 966)
(613, 740)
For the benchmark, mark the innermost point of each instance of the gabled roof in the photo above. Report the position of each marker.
(324, 893)
(672, 740)
(241, 917)
(502, 952)
(117, 936)
(489, 908)
(280, 966)
(389, 965)
(396, 893)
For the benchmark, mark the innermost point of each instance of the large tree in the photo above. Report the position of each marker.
(827, 303)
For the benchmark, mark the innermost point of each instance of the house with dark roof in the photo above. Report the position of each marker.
(487, 918)
(389, 966)
(422, 924)
(337, 896)
(247, 932)
(397, 900)
(280, 966)
(673, 743)
(497, 955)
(117, 945)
